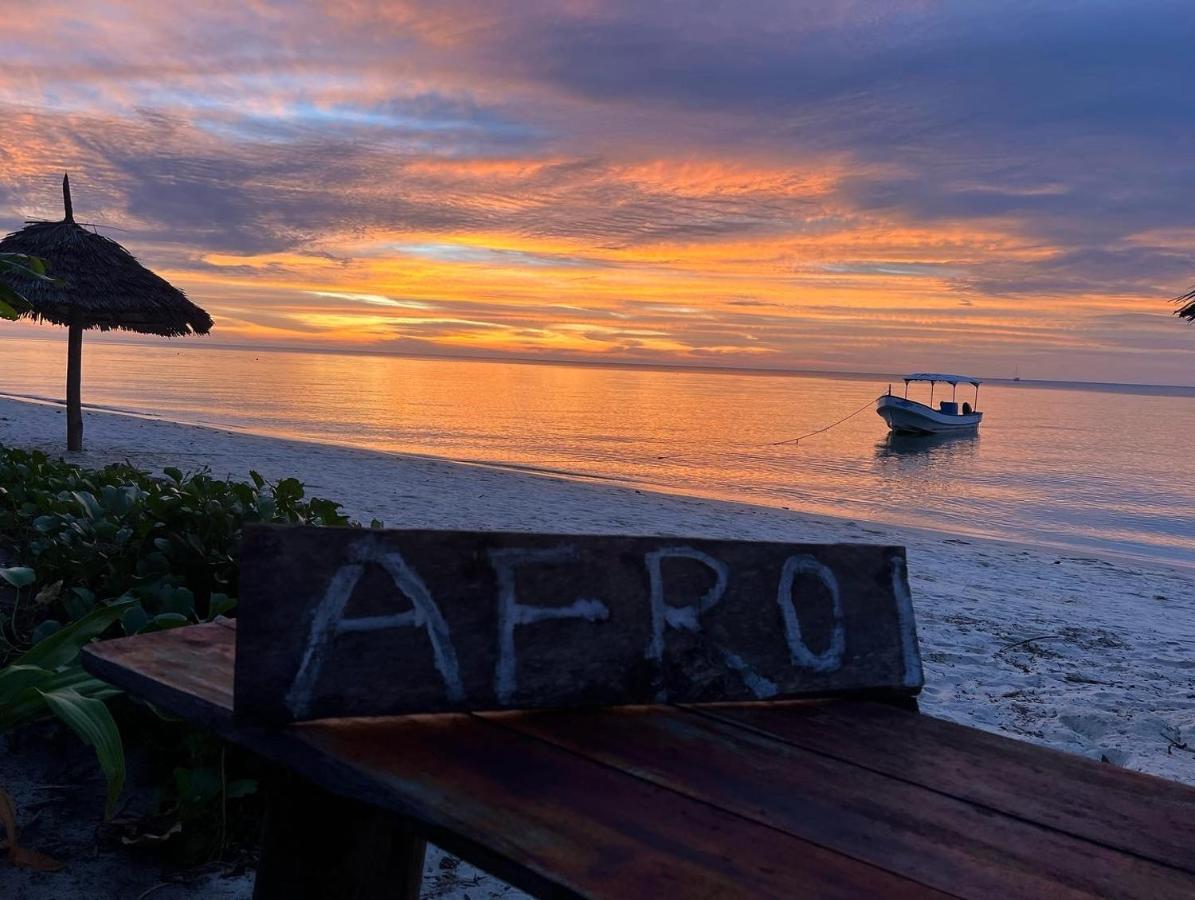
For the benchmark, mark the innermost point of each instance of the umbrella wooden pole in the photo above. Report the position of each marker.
(120, 293)
(74, 378)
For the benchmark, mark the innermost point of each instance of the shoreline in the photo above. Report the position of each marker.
(298, 443)
(1089, 654)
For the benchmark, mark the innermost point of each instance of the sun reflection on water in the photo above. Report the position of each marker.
(1044, 467)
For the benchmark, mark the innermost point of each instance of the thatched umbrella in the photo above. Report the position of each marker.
(1188, 310)
(96, 284)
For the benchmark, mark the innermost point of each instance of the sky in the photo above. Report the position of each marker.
(992, 187)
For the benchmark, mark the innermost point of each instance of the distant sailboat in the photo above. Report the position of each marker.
(1017, 372)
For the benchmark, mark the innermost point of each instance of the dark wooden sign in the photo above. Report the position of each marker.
(339, 622)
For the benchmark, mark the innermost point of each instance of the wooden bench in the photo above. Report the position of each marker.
(418, 645)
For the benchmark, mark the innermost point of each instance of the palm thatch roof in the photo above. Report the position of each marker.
(99, 281)
(1187, 311)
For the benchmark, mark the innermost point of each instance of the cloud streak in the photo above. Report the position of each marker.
(755, 183)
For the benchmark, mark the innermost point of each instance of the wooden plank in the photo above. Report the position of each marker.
(317, 845)
(590, 829)
(186, 670)
(350, 622)
(541, 818)
(933, 838)
(1151, 817)
(202, 660)
(193, 679)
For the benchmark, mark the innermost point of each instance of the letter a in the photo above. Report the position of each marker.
(328, 621)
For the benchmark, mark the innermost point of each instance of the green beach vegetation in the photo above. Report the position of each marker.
(19, 266)
(119, 551)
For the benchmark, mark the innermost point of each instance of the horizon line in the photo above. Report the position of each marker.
(594, 363)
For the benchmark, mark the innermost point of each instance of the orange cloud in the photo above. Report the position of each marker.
(603, 180)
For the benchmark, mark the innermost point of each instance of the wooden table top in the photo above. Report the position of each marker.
(823, 799)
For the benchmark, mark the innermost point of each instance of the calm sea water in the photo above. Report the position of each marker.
(1086, 468)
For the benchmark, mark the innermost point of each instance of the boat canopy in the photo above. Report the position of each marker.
(949, 379)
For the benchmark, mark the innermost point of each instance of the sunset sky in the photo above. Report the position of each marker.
(837, 185)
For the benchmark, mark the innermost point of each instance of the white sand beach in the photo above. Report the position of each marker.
(1092, 656)
(1109, 672)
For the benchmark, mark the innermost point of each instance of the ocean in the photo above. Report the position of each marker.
(1088, 469)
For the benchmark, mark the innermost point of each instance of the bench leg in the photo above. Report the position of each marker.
(318, 846)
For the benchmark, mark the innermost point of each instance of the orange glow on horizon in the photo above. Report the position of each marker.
(421, 178)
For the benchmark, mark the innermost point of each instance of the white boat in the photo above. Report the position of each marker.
(905, 416)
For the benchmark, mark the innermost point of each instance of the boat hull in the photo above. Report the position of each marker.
(910, 417)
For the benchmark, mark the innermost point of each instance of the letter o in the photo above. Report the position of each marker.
(830, 658)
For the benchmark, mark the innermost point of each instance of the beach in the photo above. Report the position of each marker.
(1044, 468)
(1084, 654)
(679, 327)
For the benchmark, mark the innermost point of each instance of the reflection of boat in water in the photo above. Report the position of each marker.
(895, 445)
(905, 416)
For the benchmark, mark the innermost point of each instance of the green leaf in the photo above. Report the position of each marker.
(175, 475)
(91, 720)
(19, 576)
(46, 523)
(170, 620)
(196, 787)
(220, 604)
(28, 705)
(84, 683)
(78, 603)
(289, 489)
(23, 264)
(327, 512)
(180, 601)
(45, 629)
(15, 680)
(241, 787)
(153, 564)
(62, 647)
(7, 310)
(134, 619)
(90, 505)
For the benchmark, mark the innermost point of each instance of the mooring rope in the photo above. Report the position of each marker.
(796, 440)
